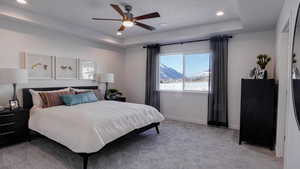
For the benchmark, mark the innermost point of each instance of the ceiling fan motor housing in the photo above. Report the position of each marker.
(128, 16)
(128, 8)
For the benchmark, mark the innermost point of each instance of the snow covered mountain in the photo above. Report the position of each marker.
(168, 73)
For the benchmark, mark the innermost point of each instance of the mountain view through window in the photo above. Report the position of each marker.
(188, 72)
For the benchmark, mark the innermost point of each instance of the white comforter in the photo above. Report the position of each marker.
(86, 128)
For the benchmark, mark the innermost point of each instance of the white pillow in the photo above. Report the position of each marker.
(80, 90)
(36, 98)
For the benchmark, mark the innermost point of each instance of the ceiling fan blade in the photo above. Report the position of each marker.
(122, 28)
(104, 19)
(118, 9)
(148, 16)
(145, 26)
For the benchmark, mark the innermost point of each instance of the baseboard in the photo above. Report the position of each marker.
(234, 126)
(185, 120)
(202, 122)
(214, 123)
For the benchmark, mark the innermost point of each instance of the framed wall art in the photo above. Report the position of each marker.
(66, 68)
(39, 66)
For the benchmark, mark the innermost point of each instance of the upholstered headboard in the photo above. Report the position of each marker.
(27, 98)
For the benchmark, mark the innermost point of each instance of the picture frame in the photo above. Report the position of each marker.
(39, 66)
(87, 69)
(66, 68)
(14, 104)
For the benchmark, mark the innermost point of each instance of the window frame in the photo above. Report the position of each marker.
(183, 54)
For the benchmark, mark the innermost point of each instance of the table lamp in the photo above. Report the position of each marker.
(13, 76)
(106, 78)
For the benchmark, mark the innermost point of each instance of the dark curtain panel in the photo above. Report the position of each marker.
(217, 95)
(152, 96)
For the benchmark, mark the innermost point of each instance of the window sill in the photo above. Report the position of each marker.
(185, 91)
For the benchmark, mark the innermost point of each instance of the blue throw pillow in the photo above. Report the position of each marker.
(73, 99)
(87, 97)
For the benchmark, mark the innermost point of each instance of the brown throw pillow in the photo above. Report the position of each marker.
(53, 99)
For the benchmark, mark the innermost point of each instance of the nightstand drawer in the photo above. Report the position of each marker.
(13, 126)
(6, 118)
(7, 127)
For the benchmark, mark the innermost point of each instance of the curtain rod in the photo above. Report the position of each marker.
(184, 42)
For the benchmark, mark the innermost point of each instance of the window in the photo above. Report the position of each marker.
(184, 72)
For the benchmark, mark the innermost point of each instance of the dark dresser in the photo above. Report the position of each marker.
(258, 112)
(13, 126)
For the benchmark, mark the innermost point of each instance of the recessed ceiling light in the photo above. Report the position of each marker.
(22, 1)
(119, 33)
(220, 13)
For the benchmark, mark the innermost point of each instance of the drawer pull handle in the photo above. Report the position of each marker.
(7, 133)
(7, 115)
(7, 124)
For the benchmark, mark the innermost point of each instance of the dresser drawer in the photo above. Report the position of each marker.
(7, 138)
(6, 118)
(7, 127)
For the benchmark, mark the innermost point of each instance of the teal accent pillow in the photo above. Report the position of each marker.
(88, 97)
(70, 100)
(73, 99)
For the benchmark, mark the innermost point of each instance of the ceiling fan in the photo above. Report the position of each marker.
(128, 19)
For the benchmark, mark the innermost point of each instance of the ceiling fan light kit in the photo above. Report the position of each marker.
(128, 20)
(128, 23)
(119, 33)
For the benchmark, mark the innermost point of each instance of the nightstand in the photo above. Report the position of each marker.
(119, 99)
(13, 126)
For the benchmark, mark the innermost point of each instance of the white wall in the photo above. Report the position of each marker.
(19, 37)
(192, 107)
(292, 141)
(243, 49)
(135, 74)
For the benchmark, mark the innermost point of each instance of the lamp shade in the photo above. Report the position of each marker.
(106, 78)
(11, 75)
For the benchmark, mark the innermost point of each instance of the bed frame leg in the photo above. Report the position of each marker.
(157, 129)
(85, 158)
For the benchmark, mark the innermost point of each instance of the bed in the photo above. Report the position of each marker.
(86, 128)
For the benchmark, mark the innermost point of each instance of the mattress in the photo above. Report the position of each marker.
(86, 128)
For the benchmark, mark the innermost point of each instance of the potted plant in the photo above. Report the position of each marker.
(113, 93)
(260, 72)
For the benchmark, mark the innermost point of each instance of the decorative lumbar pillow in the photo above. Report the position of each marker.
(36, 98)
(75, 99)
(53, 98)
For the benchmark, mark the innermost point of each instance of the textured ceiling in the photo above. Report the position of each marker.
(179, 16)
(174, 13)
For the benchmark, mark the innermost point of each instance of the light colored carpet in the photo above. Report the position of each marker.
(179, 146)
